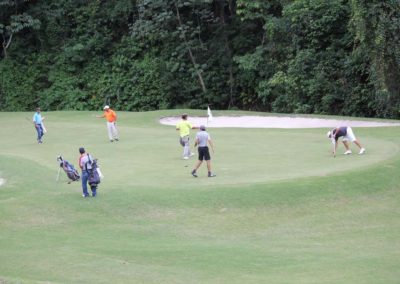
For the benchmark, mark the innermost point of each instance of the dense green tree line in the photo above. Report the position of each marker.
(304, 56)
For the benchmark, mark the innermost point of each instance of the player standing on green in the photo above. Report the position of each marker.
(202, 140)
(184, 127)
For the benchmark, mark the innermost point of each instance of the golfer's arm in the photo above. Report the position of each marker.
(336, 132)
(211, 144)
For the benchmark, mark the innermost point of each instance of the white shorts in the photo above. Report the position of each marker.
(350, 135)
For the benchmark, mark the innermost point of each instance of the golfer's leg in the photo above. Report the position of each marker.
(182, 142)
(85, 177)
(209, 166)
(198, 164)
(38, 132)
(94, 190)
(346, 145)
(358, 144)
(186, 148)
(109, 130)
(115, 131)
(41, 133)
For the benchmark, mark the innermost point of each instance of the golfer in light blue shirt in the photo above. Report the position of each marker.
(38, 123)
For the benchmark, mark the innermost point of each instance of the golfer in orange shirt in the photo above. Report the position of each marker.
(111, 118)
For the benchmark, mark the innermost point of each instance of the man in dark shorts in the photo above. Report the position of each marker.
(202, 140)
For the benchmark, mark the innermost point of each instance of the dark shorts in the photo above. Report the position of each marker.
(204, 154)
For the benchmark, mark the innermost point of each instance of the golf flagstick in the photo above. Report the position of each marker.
(209, 115)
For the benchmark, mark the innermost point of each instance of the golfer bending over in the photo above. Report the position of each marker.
(347, 134)
(202, 138)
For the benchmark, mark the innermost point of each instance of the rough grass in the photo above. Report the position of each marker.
(281, 210)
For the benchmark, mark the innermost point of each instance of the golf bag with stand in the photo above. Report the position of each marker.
(94, 173)
(69, 169)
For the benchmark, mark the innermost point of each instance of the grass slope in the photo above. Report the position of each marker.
(281, 210)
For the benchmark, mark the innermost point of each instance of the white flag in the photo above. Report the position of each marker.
(209, 114)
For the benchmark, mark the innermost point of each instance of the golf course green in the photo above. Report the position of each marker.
(280, 210)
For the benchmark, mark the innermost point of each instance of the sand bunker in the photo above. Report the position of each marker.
(275, 122)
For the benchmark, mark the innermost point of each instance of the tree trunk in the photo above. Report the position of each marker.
(6, 44)
(192, 58)
(228, 52)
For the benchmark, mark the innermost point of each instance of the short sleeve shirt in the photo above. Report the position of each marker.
(110, 115)
(83, 161)
(184, 128)
(37, 118)
(202, 137)
(341, 132)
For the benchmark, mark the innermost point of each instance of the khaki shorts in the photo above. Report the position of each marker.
(350, 135)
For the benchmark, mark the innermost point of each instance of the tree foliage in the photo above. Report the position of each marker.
(303, 56)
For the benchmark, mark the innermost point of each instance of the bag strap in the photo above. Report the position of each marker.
(90, 161)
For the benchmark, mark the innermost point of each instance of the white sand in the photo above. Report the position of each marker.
(275, 122)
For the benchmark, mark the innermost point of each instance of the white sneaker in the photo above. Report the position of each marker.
(348, 152)
(186, 158)
(362, 151)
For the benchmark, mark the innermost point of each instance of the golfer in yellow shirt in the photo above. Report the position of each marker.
(184, 127)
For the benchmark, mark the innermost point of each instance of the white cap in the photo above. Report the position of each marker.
(328, 134)
(106, 107)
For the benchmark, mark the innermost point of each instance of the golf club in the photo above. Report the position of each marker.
(58, 174)
(334, 148)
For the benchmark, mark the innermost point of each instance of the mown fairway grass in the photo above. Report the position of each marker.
(281, 209)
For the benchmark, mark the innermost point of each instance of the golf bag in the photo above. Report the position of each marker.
(94, 172)
(69, 169)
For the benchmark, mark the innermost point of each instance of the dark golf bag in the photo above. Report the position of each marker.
(69, 169)
(94, 177)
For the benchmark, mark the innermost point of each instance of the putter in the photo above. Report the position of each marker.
(334, 147)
